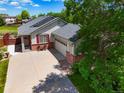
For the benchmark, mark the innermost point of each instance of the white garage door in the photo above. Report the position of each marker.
(60, 47)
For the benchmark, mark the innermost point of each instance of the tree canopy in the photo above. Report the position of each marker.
(25, 14)
(19, 17)
(101, 41)
(2, 22)
(60, 15)
(41, 14)
(34, 16)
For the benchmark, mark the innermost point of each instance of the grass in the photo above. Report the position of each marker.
(81, 84)
(3, 72)
(8, 29)
(3, 49)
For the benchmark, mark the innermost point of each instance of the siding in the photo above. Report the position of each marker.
(60, 39)
(51, 30)
(70, 47)
(33, 39)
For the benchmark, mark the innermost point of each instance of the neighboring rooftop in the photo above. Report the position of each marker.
(68, 31)
(9, 17)
(4, 15)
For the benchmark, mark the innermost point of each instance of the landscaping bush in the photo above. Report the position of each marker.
(1, 56)
(102, 42)
(75, 67)
(80, 83)
(2, 22)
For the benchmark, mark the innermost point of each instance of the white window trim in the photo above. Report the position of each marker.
(41, 41)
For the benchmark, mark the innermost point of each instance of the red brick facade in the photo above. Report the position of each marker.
(72, 58)
(38, 47)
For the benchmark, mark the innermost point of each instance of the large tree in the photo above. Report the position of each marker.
(34, 17)
(2, 22)
(19, 17)
(102, 42)
(41, 14)
(60, 14)
(25, 14)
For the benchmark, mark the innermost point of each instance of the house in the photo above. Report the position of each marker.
(23, 21)
(9, 20)
(4, 15)
(50, 32)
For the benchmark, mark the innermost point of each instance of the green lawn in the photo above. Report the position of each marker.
(3, 49)
(10, 29)
(80, 83)
(3, 72)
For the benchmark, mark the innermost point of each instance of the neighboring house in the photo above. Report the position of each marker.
(50, 32)
(4, 15)
(25, 20)
(9, 20)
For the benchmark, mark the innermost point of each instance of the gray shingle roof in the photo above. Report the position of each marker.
(27, 29)
(68, 31)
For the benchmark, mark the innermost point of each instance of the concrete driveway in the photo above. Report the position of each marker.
(36, 72)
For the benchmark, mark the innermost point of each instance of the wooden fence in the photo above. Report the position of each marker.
(1, 43)
(7, 40)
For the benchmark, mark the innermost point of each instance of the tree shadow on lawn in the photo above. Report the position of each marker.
(55, 83)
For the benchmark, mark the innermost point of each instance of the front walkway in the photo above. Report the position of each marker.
(36, 72)
(11, 50)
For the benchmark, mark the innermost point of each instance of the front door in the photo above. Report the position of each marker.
(27, 43)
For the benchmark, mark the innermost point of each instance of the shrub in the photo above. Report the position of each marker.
(75, 68)
(2, 22)
(1, 56)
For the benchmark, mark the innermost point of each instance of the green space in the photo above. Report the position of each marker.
(3, 72)
(9, 29)
(3, 68)
(3, 49)
(81, 84)
(102, 43)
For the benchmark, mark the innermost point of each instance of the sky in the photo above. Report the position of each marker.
(35, 7)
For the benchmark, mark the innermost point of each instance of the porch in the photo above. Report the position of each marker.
(38, 43)
(26, 43)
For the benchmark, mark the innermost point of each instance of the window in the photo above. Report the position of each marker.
(43, 39)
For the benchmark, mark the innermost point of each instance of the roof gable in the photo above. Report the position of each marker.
(31, 26)
(68, 31)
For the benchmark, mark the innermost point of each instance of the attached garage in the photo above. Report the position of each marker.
(60, 47)
(62, 37)
(65, 39)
